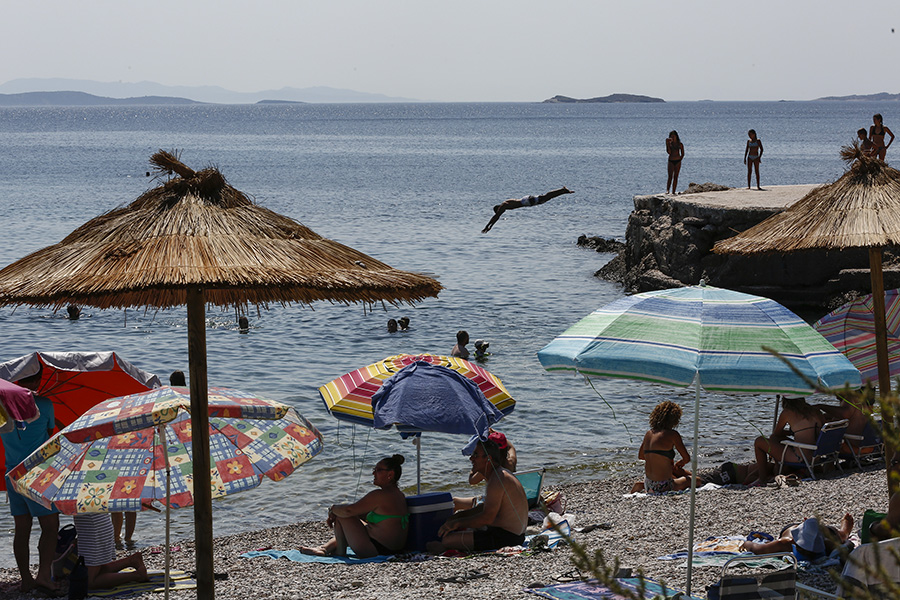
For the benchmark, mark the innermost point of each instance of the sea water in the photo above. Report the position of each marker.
(411, 185)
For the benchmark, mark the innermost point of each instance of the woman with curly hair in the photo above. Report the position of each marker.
(661, 472)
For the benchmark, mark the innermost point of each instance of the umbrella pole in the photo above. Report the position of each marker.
(881, 352)
(203, 531)
(162, 438)
(690, 561)
(418, 464)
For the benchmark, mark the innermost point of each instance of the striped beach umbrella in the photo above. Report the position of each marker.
(711, 335)
(707, 336)
(851, 329)
(349, 397)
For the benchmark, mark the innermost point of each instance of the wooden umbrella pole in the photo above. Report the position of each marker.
(881, 351)
(203, 529)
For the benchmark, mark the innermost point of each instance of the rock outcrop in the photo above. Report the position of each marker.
(669, 243)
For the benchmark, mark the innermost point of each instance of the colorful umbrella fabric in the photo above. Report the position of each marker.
(16, 404)
(672, 336)
(250, 438)
(851, 329)
(349, 397)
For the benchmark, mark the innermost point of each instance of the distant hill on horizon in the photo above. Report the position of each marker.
(613, 98)
(880, 97)
(83, 99)
(207, 94)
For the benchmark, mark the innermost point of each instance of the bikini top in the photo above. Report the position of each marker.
(666, 453)
(373, 517)
(753, 144)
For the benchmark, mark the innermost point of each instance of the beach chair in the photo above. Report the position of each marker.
(861, 573)
(867, 446)
(826, 448)
(745, 578)
(532, 480)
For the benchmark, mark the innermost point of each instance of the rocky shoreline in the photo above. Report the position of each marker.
(639, 530)
(669, 241)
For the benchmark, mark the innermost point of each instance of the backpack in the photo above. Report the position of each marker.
(66, 553)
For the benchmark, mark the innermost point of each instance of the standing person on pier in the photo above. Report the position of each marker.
(675, 150)
(876, 133)
(752, 156)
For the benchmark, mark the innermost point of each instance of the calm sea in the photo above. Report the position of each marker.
(411, 185)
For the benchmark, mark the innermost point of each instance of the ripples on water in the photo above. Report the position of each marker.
(412, 185)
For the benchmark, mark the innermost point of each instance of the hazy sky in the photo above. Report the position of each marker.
(467, 50)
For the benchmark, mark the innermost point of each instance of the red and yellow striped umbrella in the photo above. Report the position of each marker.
(349, 397)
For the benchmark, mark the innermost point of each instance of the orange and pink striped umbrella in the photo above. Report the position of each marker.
(349, 397)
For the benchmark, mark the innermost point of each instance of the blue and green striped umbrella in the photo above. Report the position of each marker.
(711, 334)
(707, 336)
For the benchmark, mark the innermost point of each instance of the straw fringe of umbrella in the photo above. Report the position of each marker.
(197, 230)
(859, 210)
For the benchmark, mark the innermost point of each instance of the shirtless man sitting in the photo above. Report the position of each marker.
(500, 520)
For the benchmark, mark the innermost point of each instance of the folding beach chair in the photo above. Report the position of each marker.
(826, 448)
(531, 480)
(743, 579)
(867, 446)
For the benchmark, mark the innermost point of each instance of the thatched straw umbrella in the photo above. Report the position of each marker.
(859, 210)
(196, 240)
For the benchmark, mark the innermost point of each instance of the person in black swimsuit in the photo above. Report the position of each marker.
(661, 472)
(675, 150)
(877, 133)
(799, 421)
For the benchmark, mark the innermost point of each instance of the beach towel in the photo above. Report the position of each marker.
(553, 537)
(587, 590)
(178, 580)
(297, 556)
(706, 488)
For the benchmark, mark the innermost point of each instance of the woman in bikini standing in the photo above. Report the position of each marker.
(798, 421)
(375, 524)
(877, 133)
(661, 472)
(752, 155)
(675, 150)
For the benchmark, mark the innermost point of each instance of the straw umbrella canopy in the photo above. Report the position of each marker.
(859, 210)
(196, 240)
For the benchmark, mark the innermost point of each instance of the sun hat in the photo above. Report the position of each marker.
(808, 538)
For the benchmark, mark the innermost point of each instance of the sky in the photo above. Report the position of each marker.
(467, 50)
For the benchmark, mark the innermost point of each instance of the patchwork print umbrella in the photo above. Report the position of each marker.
(114, 458)
(349, 397)
(851, 329)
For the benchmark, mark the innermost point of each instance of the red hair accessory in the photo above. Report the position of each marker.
(499, 439)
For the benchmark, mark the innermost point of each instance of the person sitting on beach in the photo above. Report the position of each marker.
(752, 156)
(460, 350)
(512, 203)
(661, 472)
(375, 524)
(497, 522)
(797, 418)
(807, 540)
(855, 412)
(509, 463)
(675, 150)
(96, 544)
(876, 133)
(865, 144)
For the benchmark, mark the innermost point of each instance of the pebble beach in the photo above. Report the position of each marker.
(634, 529)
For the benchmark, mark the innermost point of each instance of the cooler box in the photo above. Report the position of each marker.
(427, 512)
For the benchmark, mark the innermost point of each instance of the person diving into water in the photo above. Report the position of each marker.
(512, 203)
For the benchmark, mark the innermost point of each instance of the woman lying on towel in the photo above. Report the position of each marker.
(375, 524)
(661, 472)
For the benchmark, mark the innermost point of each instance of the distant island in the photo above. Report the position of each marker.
(880, 97)
(84, 99)
(612, 98)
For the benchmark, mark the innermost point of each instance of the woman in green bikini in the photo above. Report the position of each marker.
(375, 524)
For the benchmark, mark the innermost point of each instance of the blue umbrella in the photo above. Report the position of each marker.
(429, 397)
(707, 336)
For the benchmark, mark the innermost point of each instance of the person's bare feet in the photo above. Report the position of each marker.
(846, 527)
(314, 551)
(567, 190)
